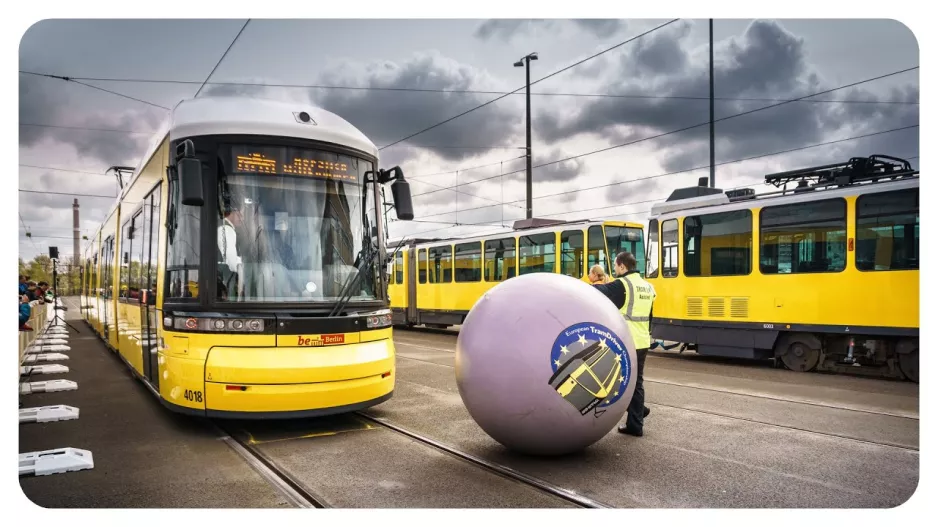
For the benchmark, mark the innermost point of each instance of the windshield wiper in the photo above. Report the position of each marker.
(352, 281)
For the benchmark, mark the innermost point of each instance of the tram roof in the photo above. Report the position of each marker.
(553, 227)
(242, 115)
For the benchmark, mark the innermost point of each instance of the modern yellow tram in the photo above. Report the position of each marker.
(436, 282)
(823, 276)
(238, 274)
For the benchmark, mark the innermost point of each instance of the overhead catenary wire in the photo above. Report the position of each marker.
(531, 84)
(701, 167)
(29, 191)
(225, 54)
(684, 129)
(479, 92)
(70, 79)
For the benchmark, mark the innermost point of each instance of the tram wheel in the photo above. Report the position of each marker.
(908, 363)
(798, 355)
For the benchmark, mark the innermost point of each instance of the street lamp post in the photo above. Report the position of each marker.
(526, 62)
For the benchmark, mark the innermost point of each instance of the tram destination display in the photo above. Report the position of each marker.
(293, 162)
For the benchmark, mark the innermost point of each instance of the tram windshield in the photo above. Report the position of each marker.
(293, 225)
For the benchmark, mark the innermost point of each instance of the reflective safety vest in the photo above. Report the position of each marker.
(639, 297)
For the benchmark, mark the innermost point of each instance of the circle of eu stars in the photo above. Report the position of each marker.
(565, 347)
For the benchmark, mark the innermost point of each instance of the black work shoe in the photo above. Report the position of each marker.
(623, 429)
(647, 411)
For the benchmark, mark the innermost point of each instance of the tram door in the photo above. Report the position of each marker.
(107, 255)
(148, 262)
(412, 286)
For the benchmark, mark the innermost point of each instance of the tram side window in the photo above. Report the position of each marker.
(538, 253)
(718, 244)
(626, 239)
(500, 259)
(571, 253)
(422, 265)
(182, 241)
(153, 218)
(124, 261)
(887, 231)
(136, 243)
(441, 264)
(669, 249)
(399, 268)
(597, 248)
(469, 262)
(651, 268)
(808, 237)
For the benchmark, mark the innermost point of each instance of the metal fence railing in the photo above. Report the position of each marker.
(37, 320)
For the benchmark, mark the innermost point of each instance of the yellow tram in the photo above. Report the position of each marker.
(436, 282)
(822, 277)
(238, 274)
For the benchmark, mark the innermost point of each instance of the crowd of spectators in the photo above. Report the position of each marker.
(31, 292)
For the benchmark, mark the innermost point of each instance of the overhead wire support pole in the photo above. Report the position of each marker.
(713, 166)
(526, 62)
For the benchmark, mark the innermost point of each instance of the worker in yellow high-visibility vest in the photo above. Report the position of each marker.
(634, 298)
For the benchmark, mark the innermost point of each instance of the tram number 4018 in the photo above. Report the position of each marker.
(193, 396)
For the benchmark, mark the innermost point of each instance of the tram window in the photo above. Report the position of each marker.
(718, 244)
(153, 255)
(887, 231)
(468, 262)
(182, 241)
(399, 268)
(651, 258)
(124, 261)
(809, 237)
(597, 248)
(538, 253)
(441, 265)
(571, 253)
(500, 259)
(134, 266)
(669, 249)
(422, 265)
(626, 239)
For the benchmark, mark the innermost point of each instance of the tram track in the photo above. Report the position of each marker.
(497, 468)
(290, 487)
(694, 386)
(757, 421)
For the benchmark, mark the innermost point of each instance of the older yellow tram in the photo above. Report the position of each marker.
(436, 282)
(824, 276)
(238, 274)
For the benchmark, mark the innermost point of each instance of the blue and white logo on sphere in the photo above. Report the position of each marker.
(591, 367)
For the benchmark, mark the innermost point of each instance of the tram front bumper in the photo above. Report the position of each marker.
(297, 381)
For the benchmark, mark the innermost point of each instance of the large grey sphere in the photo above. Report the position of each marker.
(544, 364)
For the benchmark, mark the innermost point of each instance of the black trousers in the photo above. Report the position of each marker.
(636, 412)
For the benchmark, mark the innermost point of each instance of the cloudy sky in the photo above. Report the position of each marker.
(632, 96)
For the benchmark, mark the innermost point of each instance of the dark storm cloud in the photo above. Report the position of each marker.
(42, 102)
(387, 116)
(505, 29)
(766, 61)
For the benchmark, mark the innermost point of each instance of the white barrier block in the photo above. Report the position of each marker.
(48, 342)
(43, 357)
(50, 347)
(43, 369)
(55, 332)
(46, 414)
(58, 385)
(55, 461)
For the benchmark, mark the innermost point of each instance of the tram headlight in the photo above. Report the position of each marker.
(214, 325)
(378, 319)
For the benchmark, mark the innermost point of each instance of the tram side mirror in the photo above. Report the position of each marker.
(189, 170)
(403, 204)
